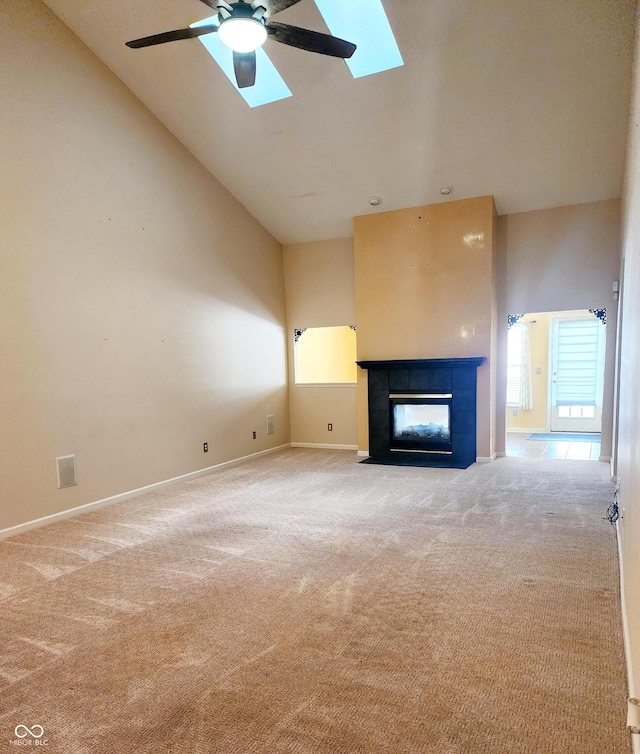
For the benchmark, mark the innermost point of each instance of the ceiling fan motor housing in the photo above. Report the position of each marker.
(254, 12)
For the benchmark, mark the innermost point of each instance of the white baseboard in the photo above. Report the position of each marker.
(324, 445)
(501, 454)
(12, 531)
(606, 459)
(635, 738)
(625, 624)
(486, 459)
(363, 453)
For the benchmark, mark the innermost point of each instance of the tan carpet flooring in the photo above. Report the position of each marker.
(302, 603)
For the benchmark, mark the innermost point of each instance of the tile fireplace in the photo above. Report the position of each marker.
(422, 412)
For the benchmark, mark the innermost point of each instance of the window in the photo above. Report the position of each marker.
(364, 23)
(514, 364)
(576, 412)
(269, 86)
(325, 356)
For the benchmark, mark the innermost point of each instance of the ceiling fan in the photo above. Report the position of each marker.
(244, 27)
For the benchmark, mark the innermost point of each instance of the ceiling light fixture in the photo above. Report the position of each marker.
(242, 34)
(242, 26)
(446, 190)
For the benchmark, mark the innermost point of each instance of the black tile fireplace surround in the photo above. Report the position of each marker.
(429, 381)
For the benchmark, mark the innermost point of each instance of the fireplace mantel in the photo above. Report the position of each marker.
(473, 361)
(452, 379)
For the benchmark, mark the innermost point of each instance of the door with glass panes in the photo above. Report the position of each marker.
(577, 374)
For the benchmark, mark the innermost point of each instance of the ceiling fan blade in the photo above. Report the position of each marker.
(275, 6)
(313, 41)
(244, 66)
(171, 36)
(211, 3)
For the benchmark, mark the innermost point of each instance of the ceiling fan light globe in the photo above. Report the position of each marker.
(242, 34)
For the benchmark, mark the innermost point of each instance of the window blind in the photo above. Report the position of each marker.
(577, 362)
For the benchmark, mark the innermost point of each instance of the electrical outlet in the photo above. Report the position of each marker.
(254, 435)
(205, 447)
(329, 427)
(515, 412)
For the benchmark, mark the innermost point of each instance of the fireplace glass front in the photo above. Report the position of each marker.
(421, 422)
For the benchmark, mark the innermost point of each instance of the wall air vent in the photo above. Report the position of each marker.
(67, 476)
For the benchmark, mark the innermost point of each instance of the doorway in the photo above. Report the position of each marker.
(555, 381)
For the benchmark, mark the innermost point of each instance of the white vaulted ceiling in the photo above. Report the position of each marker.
(526, 100)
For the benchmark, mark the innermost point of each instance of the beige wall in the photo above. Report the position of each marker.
(142, 306)
(425, 288)
(629, 394)
(319, 286)
(556, 260)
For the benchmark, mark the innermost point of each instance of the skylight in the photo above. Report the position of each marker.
(269, 86)
(364, 23)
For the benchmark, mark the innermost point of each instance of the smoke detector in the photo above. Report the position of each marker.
(446, 190)
(375, 201)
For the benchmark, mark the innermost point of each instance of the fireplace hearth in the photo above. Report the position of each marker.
(422, 412)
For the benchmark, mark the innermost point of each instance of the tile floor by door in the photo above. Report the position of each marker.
(518, 444)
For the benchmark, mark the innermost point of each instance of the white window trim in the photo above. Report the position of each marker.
(326, 384)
